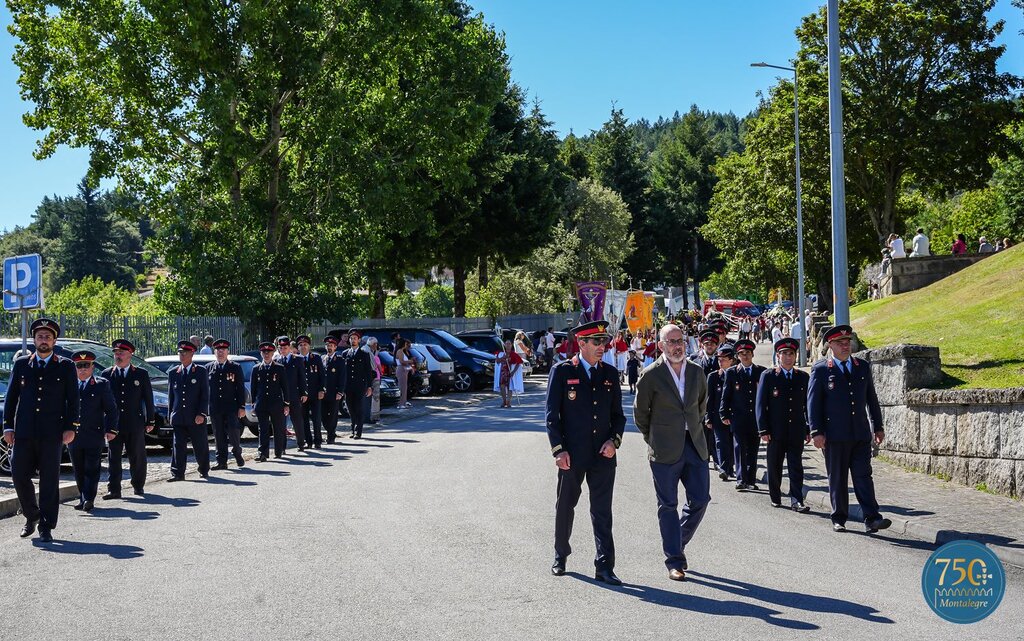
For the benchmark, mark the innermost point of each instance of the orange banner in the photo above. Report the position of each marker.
(636, 306)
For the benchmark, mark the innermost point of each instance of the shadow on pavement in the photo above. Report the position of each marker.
(786, 598)
(220, 480)
(298, 461)
(945, 536)
(701, 604)
(244, 471)
(157, 499)
(83, 548)
(103, 512)
(390, 440)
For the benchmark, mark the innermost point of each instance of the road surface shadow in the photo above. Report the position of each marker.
(82, 548)
(157, 499)
(945, 536)
(700, 604)
(789, 599)
(298, 461)
(390, 440)
(244, 471)
(103, 512)
(220, 480)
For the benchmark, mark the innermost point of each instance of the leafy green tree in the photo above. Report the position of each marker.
(403, 305)
(923, 102)
(619, 163)
(87, 246)
(436, 301)
(600, 221)
(90, 296)
(292, 145)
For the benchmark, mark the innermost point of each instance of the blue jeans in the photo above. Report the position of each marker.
(676, 529)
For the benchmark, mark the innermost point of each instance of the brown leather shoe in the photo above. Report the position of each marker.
(676, 575)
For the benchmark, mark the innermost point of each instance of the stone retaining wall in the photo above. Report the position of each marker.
(973, 436)
(908, 274)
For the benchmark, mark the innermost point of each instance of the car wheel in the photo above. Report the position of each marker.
(463, 381)
(427, 389)
(5, 458)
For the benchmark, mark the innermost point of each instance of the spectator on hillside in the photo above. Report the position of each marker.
(919, 246)
(959, 245)
(985, 247)
(886, 260)
(1007, 244)
(895, 246)
(208, 347)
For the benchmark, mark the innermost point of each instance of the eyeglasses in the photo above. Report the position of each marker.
(83, 365)
(674, 341)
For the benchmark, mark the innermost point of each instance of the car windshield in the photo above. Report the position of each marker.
(439, 353)
(455, 342)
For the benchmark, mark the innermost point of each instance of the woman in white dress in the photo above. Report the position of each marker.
(508, 374)
(609, 353)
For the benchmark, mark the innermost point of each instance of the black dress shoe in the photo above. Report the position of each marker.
(838, 527)
(78, 506)
(204, 475)
(317, 447)
(240, 462)
(138, 491)
(276, 456)
(801, 508)
(557, 568)
(686, 566)
(219, 466)
(607, 576)
(89, 505)
(751, 486)
(723, 475)
(45, 536)
(776, 504)
(330, 441)
(111, 495)
(741, 487)
(174, 479)
(878, 524)
(29, 528)
(262, 458)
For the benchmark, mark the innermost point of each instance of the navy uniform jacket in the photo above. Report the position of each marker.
(782, 406)
(189, 395)
(227, 387)
(42, 401)
(708, 363)
(583, 413)
(314, 375)
(334, 375)
(842, 409)
(97, 413)
(739, 397)
(134, 396)
(294, 378)
(268, 388)
(358, 371)
(716, 380)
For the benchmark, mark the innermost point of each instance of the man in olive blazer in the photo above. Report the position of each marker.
(668, 409)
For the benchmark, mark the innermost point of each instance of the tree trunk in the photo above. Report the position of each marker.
(377, 295)
(683, 274)
(459, 275)
(481, 271)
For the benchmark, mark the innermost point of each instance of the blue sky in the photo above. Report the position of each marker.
(649, 57)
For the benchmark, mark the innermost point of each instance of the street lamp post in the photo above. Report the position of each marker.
(799, 214)
(840, 269)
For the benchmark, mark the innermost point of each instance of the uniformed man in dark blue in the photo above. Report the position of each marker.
(295, 383)
(40, 417)
(97, 425)
(585, 423)
(782, 423)
(738, 410)
(358, 379)
(270, 401)
(227, 404)
(724, 446)
(136, 416)
(312, 408)
(845, 417)
(188, 401)
(334, 387)
(708, 361)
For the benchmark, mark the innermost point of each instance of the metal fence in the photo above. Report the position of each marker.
(156, 335)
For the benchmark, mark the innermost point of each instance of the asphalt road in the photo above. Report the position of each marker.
(441, 528)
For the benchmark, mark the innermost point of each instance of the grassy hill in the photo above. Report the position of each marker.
(975, 317)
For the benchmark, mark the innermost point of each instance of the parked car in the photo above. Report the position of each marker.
(162, 432)
(487, 341)
(165, 363)
(440, 368)
(474, 369)
(419, 379)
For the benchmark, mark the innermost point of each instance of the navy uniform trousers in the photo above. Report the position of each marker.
(844, 459)
(86, 463)
(29, 455)
(227, 430)
(272, 422)
(600, 478)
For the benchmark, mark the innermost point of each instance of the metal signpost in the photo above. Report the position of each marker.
(23, 289)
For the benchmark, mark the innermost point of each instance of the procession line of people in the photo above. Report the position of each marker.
(718, 407)
(53, 401)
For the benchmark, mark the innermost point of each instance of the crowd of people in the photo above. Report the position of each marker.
(53, 401)
(703, 411)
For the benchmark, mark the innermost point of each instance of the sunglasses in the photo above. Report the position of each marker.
(594, 341)
(83, 365)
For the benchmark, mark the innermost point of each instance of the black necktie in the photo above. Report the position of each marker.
(81, 386)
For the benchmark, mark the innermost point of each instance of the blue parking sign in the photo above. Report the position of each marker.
(23, 282)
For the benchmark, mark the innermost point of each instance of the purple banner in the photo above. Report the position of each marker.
(591, 297)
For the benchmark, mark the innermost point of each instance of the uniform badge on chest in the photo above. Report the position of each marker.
(572, 395)
(136, 383)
